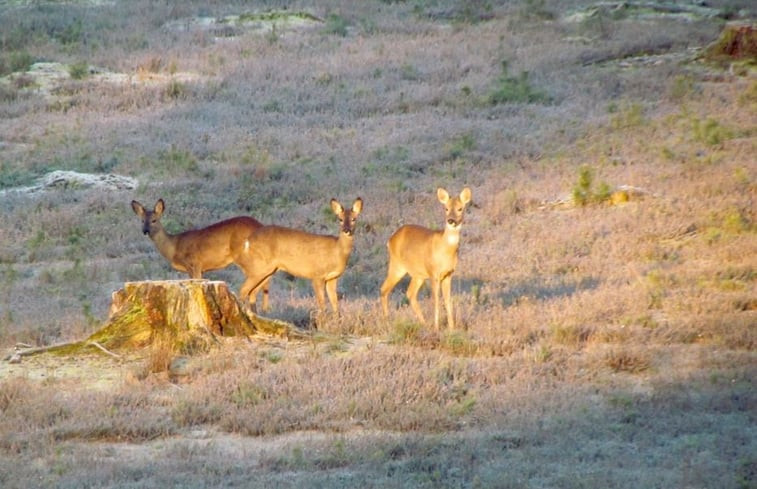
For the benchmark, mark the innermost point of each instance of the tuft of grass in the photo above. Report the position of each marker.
(571, 335)
(175, 90)
(405, 333)
(160, 355)
(177, 161)
(459, 343)
(627, 361)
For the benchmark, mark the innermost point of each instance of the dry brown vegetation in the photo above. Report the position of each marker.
(605, 293)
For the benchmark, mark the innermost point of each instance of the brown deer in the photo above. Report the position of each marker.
(199, 250)
(322, 259)
(425, 254)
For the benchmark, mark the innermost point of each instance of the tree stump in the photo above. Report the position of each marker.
(178, 316)
(737, 41)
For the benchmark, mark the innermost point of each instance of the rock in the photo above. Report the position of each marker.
(76, 180)
(71, 180)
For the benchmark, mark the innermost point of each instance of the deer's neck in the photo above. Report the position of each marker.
(164, 242)
(451, 238)
(344, 242)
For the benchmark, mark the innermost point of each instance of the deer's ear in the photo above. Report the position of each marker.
(442, 195)
(466, 196)
(138, 209)
(357, 207)
(336, 207)
(160, 206)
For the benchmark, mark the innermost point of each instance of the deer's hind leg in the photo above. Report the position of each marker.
(412, 295)
(393, 276)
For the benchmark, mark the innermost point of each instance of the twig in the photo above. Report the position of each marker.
(41, 349)
(105, 350)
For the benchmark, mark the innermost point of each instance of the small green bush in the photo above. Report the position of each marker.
(7, 94)
(473, 12)
(584, 193)
(681, 87)
(512, 89)
(710, 132)
(336, 24)
(535, 10)
(79, 70)
(19, 61)
(405, 332)
(459, 146)
(626, 116)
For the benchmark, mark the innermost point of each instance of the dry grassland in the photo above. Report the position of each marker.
(605, 294)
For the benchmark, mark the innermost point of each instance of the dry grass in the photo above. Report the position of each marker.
(600, 345)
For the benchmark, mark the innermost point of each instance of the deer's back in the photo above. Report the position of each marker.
(298, 252)
(215, 246)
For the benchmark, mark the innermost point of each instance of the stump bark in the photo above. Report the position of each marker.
(181, 316)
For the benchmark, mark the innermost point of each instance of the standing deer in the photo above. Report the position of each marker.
(199, 250)
(322, 259)
(424, 254)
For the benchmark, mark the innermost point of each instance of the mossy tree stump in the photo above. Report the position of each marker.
(190, 315)
(175, 316)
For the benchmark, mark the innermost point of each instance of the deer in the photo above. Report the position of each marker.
(199, 250)
(427, 254)
(320, 258)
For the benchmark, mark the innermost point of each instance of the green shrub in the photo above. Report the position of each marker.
(535, 10)
(583, 192)
(459, 146)
(13, 176)
(474, 11)
(626, 116)
(7, 94)
(710, 132)
(405, 332)
(79, 70)
(336, 24)
(19, 61)
(512, 89)
(72, 33)
(459, 343)
(682, 86)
